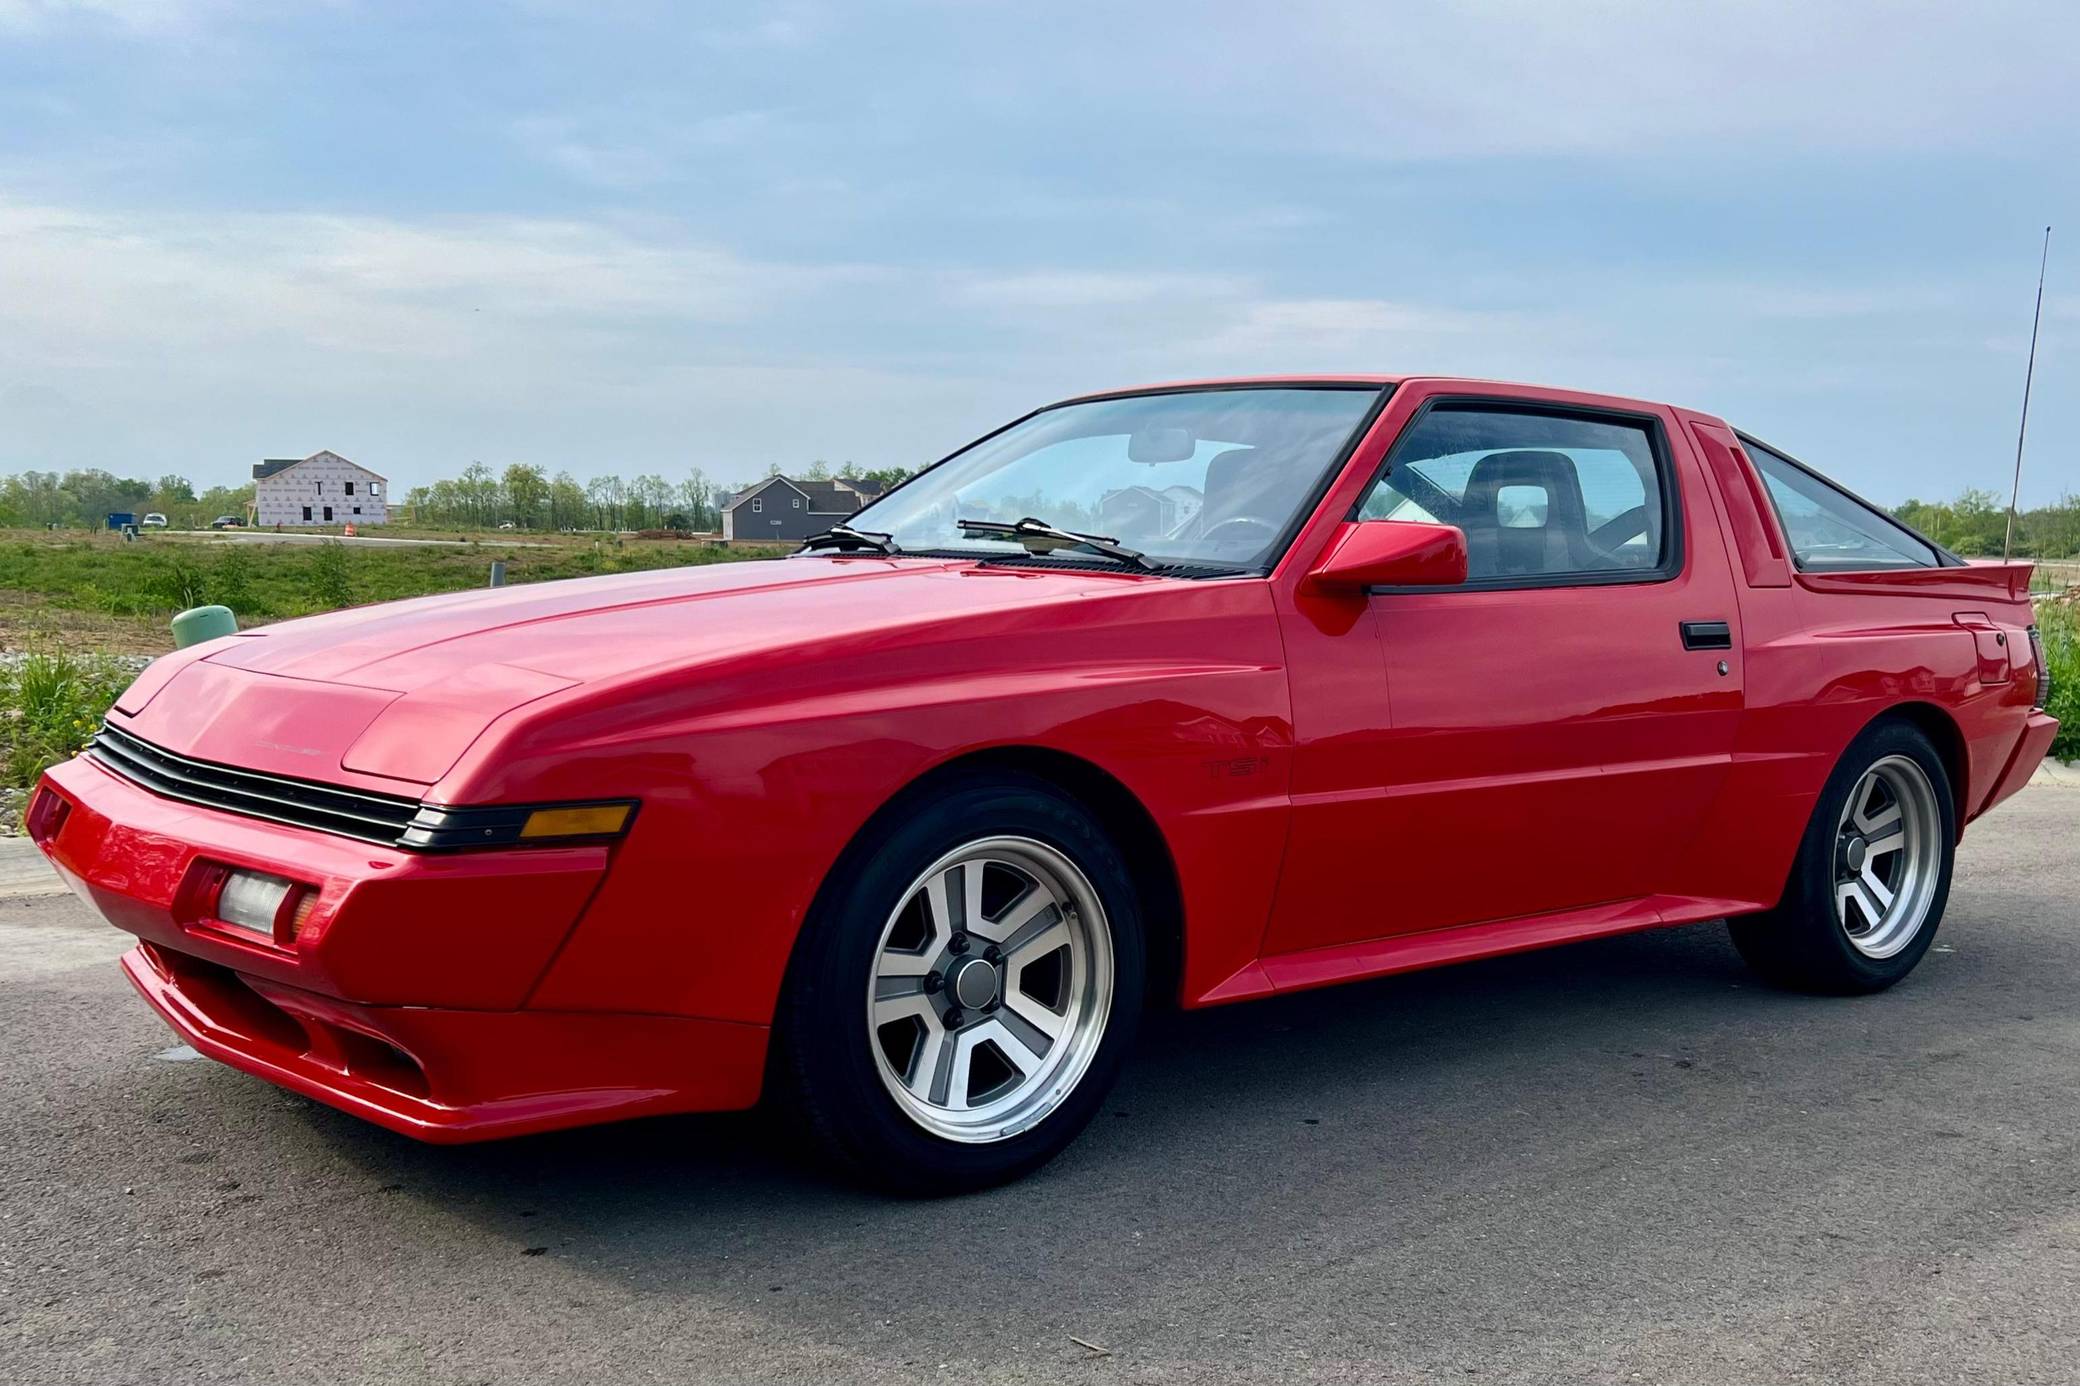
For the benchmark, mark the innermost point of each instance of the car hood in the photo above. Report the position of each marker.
(398, 692)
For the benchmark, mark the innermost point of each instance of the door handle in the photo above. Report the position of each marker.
(1707, 635)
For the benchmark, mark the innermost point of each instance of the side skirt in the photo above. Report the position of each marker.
(1381, 957)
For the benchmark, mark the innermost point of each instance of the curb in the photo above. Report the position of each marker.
(2065, 774)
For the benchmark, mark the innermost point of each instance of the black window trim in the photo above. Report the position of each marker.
(1381, 390)
(1944, 558)
(1673, 555)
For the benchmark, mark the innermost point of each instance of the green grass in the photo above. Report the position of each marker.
(2059, 624)
(273, 581)
(50, 703)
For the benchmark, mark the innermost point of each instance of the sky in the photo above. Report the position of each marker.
(646, 237)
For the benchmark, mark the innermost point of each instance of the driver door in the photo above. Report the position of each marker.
(1548, 736)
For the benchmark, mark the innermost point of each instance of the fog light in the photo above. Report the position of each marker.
(252, 901)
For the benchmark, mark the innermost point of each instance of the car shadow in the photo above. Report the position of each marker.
(1230, 1095)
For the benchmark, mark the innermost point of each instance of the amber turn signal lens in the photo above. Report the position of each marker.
(589, 820)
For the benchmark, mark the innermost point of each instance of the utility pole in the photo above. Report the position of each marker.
(2029, 376)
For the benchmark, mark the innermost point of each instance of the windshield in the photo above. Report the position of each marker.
(1199, 476)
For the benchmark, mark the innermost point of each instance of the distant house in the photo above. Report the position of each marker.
(322, 489)
(780, 509)
(1147, 510)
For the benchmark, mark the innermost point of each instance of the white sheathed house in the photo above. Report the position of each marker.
(322, 489)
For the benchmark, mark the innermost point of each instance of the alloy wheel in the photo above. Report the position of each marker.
(1888, 855)
(991, 989)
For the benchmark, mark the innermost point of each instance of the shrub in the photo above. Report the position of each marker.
(50, 703)
(2059, 624)
(179, 583)
(331, 584)
(232, 583)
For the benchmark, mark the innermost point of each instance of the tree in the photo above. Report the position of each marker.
(479, 493)
(566, 503)
(527, 491)
(606, 496)
(694, 494)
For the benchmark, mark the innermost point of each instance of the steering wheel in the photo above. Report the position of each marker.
(1270, 529)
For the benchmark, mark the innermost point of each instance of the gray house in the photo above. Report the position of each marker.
(780, 509)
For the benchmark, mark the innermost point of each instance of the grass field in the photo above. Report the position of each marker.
(119, 584)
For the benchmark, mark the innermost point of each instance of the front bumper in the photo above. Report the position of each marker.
(403, 998)
(450, 1076)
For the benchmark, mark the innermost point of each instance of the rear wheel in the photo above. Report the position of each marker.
(966, 991)
(1872, 874)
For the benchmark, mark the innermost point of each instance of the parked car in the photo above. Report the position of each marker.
(1173, 696)
(228, 522)
(153, 520)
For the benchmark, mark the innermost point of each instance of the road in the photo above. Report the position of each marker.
(366, 541)
(1622, 1161)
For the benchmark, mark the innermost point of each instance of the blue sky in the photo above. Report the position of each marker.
(646, 237)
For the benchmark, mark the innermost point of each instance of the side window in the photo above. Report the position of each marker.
(1541, 495)
(1830, 530)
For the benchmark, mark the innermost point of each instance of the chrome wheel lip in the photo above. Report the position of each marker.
(1087, 986)
(1887, 857)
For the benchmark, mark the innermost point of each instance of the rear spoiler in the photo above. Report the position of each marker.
(2016, 573)
(1978, 579)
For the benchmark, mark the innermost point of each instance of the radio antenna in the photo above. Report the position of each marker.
(2028, 378)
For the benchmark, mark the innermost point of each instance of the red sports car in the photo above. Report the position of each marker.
(1177, 695)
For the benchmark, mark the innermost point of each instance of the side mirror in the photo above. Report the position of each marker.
(1392, 553)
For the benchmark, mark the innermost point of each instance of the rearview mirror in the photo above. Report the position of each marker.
(1152, 445)
(1392, 553)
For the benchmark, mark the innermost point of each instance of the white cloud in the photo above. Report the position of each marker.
(140, 18)
(1444, 78)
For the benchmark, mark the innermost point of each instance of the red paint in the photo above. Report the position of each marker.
(1347, 782)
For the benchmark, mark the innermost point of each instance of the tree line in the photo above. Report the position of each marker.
(523, 496)
(1975, 524)
(527, 497)
(88, 496)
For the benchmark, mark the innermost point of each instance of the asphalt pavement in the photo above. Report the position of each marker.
(1622, 1161)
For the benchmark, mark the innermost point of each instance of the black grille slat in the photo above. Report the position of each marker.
(143, 770)
(251, 794)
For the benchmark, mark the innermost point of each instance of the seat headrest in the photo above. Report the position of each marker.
(1554, 471)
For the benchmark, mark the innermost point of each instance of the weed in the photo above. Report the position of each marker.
(50, 703)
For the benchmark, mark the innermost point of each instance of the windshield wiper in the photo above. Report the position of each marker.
(1038, 536)
(846, 537)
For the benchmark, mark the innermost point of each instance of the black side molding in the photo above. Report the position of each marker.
(1707, 635)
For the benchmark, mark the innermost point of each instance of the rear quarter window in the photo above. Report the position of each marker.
(1831, 531)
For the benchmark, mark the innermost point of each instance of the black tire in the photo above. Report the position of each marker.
(825, 1072)
(1802, 944)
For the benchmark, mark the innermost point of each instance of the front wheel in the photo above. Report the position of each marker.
(966, 990)
(1872, 874)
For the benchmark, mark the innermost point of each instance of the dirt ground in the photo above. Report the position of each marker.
(27, 623)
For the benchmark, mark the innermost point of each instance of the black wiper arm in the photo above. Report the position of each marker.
(846, 537)
(1038, 536)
